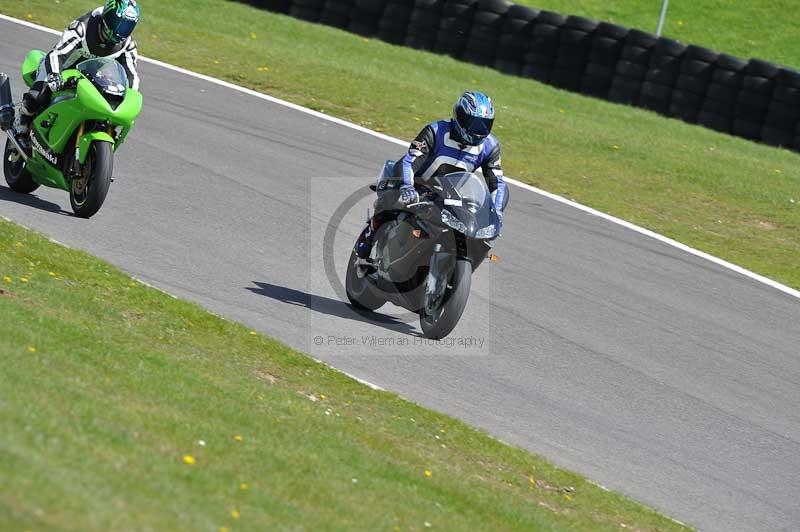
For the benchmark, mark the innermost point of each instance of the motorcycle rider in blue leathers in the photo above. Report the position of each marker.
(463, 143)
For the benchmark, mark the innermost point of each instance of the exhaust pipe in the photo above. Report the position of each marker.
(7, 114)
(6, 103)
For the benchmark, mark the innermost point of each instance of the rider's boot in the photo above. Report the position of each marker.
(22, 129)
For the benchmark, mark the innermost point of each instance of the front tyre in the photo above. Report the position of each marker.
(438, 317)
(359, 291)
(88, 192)
(17, 176)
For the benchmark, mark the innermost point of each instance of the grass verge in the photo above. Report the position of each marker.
(122, 408)
(767, 29)
(724, 195)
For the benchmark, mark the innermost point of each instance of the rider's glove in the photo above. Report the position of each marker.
(55, 81)
(408, 194)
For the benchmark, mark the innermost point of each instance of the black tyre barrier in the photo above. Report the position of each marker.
(685, 105)
(537, 71)
(746, 129)
(636, 54)
(337, 13)
(625, 90)
(305, 13)
(655, 96)
(279, 6)
(423, 24)
(494, 6)
(796, 145)
(729, 62)
(782, 116)
(484, 36)
(605, 50)
(757, 67)
(366, 17)
(723, 93)
(729, 78)
(631, 70)
(714, 121)
(544, 47)
(552, 18)
(663, 69)
(451, 38)
(597, 80)
(515, 39)
(459, 8)
(695, 84)
(701, 54)
(669, 47)
(575, 45)
(789, 95)
(752, 98)
(641, 38)
(718, 107)
(309, 10)
(393, 24)
(777, 137)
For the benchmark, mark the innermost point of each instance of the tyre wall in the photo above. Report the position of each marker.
(753, 99)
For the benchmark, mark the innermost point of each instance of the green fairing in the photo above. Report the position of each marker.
(31, 65)
(71, 108)
(45, 173)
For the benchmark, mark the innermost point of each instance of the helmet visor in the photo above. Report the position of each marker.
(119, 29)
(475, 127)
(480, 127)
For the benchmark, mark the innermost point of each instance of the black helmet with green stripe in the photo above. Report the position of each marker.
(119, 19)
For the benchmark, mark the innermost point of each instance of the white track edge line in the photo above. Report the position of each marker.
(560, 199)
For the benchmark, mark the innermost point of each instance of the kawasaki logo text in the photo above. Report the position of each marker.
(47, 155)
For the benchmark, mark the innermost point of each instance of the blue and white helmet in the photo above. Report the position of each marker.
(473, 117)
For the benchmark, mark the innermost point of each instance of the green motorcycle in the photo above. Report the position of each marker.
(74, 139)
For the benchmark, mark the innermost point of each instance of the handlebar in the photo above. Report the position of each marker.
(70, 84)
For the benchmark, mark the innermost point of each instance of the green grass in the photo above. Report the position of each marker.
(107, 385)
(724, 195)
(767, 29)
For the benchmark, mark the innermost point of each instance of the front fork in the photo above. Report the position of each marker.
(75, 171)
(83, 143)
(439, 271)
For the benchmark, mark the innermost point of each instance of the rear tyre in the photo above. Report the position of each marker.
(439, 318)
(87, 195)
(17, 176)
(359, 291)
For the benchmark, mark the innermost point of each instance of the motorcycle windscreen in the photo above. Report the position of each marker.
(467, 199)
(106, 74)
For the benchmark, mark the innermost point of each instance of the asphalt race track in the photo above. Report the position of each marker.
(647, 369)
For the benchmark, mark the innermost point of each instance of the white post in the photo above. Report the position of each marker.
(664, 6)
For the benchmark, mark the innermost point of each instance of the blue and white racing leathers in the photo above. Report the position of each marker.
(435, 153)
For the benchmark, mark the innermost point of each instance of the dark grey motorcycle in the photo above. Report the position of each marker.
(425, 254)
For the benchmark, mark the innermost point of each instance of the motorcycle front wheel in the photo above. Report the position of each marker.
(439, 316)
(87, 193)
(359, 291)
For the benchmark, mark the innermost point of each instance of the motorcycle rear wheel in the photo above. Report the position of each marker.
(17, 176)
(439, 319)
